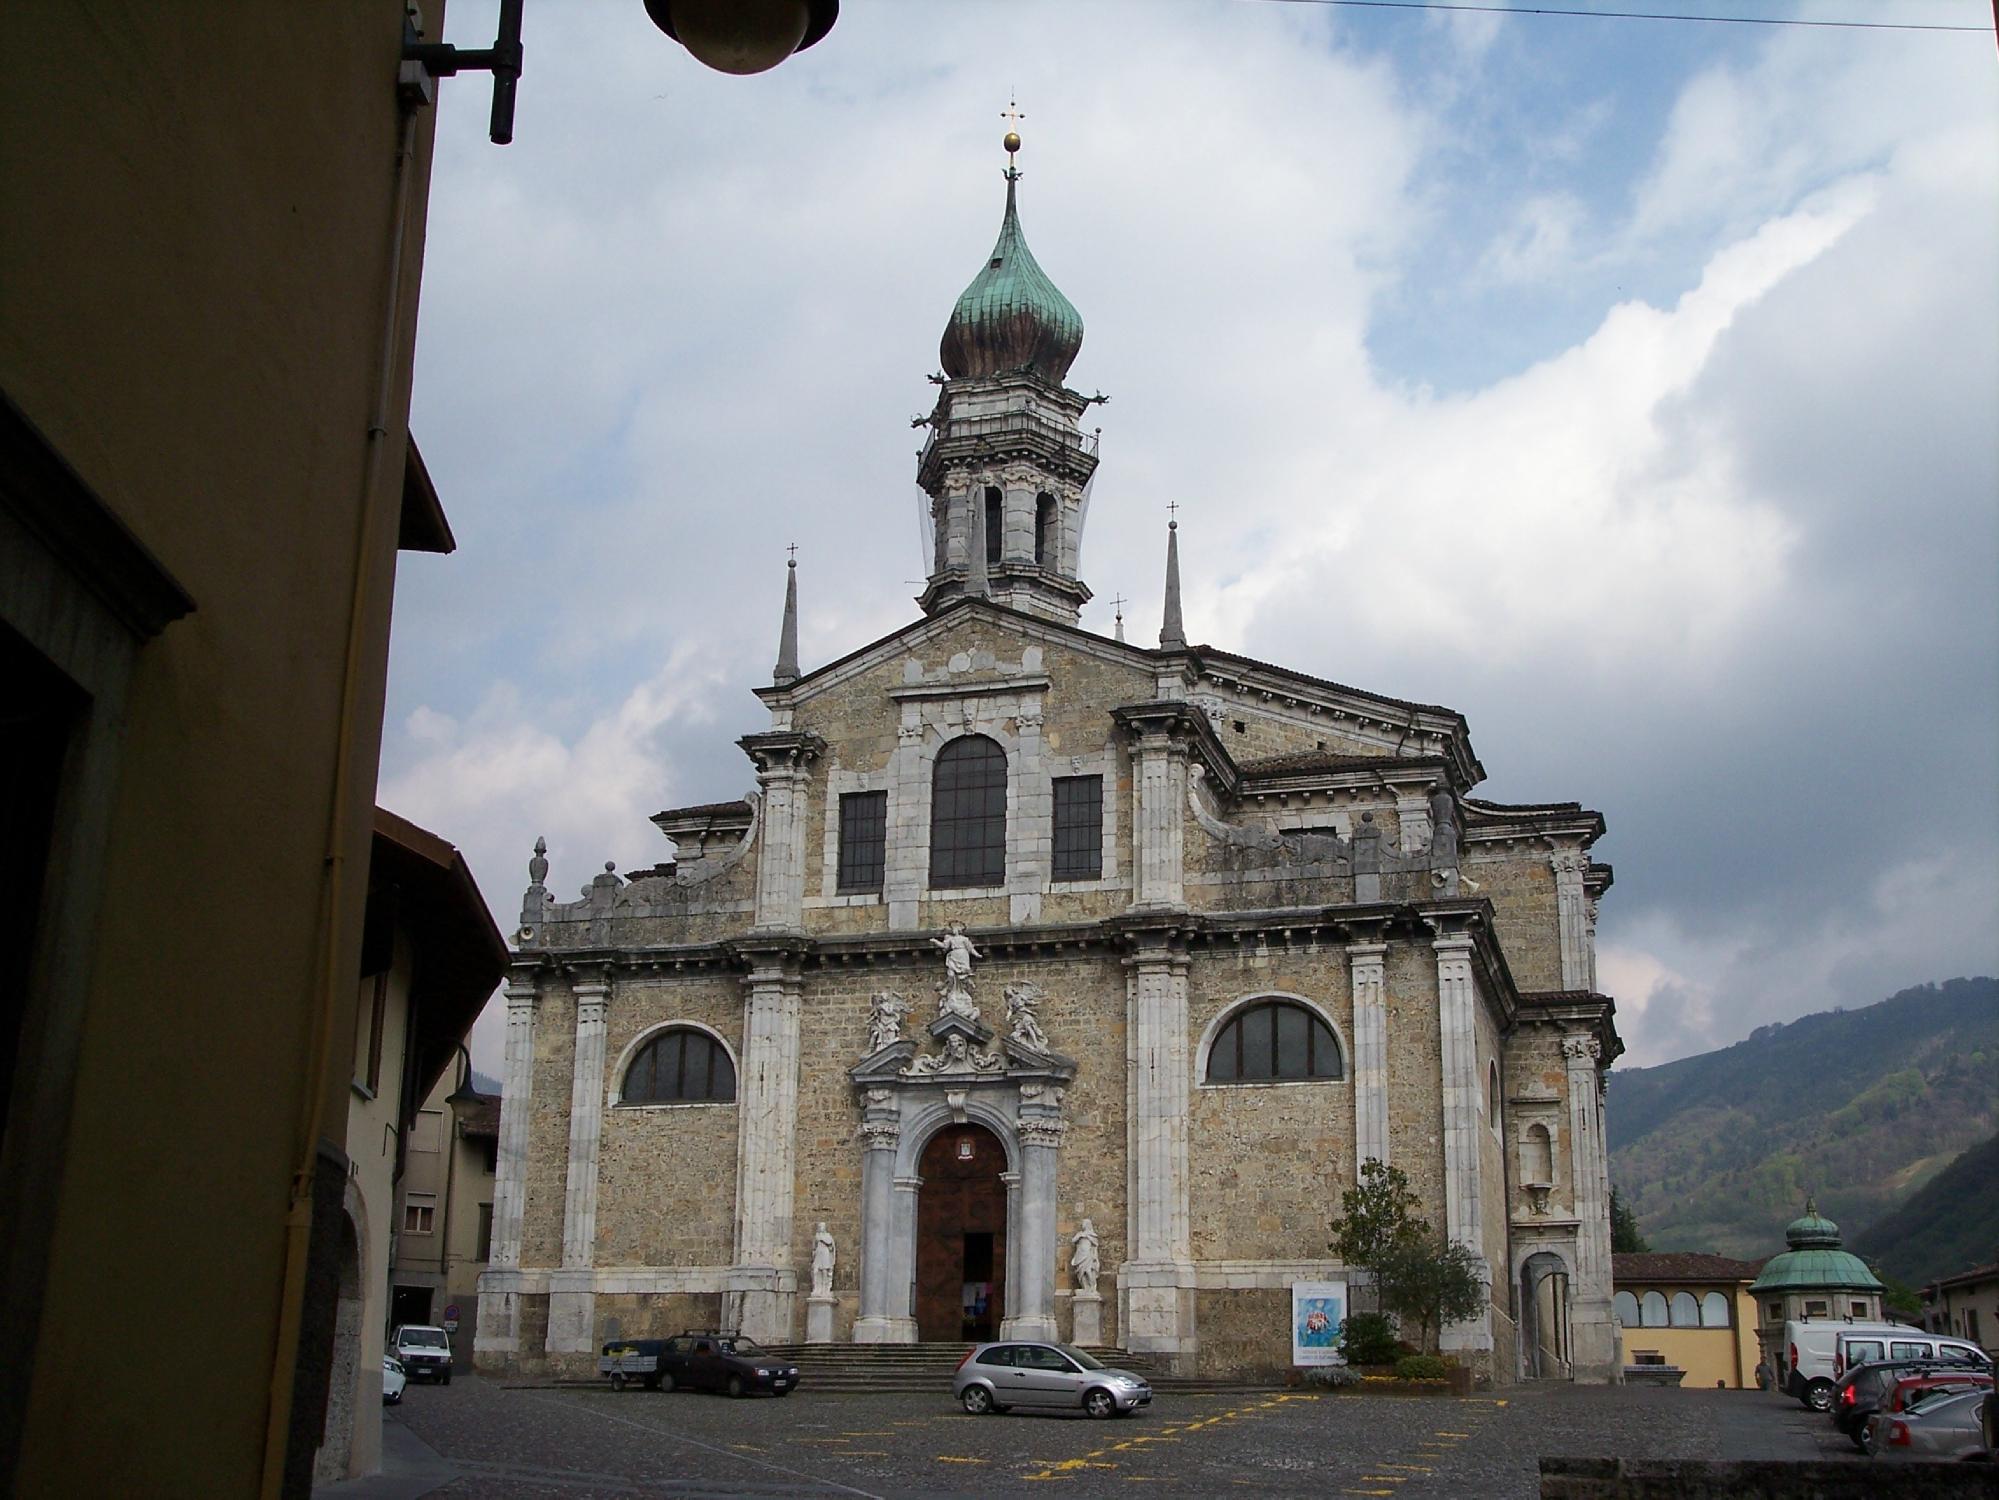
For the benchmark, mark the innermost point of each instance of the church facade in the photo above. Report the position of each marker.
(1049, 985)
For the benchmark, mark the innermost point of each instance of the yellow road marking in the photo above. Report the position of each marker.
(747, 1447)
(867, 1453)
(1418, 1468)
(946, 1458)
(1442, 1433)
(869, 1434)
(1367, 1492)
(1384, 1478)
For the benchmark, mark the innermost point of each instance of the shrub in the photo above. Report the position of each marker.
(1369, 1339)
(1420, 1367)
(1332, 1377)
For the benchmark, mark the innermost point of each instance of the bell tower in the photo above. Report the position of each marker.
(1007, 466)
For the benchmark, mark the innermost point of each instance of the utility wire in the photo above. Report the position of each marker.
(1634, 15)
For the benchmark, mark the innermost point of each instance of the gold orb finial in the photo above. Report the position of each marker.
(1012, 142)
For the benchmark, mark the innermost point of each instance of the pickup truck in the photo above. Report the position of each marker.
(700, 1359)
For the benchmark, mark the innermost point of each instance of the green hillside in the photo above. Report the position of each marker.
(1863, 1107)
(1949, 1225)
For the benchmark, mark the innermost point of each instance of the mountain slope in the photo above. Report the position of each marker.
(1949, 1225)
(1716, 1152)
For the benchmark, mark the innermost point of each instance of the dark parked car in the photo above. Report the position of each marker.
(1865, 1389)
(1898, 1391)
(702, 1359)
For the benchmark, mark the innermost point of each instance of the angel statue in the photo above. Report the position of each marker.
(955, 994)
(1083, 1262)
(885, 1022)
(1023, 1025)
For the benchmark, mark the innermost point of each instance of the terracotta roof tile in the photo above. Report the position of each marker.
(1680, 1265)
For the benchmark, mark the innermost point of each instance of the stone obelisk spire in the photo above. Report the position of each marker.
(786, 670)
(1172, 634)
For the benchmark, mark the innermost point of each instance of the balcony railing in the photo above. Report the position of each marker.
(1007, 424)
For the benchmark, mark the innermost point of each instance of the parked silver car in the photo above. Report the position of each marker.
(1945, 1426)
(995, 1377)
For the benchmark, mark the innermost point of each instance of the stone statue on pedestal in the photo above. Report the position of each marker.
(954, 996)
(822, 1261)
(885, 1022)
(1083, 1262)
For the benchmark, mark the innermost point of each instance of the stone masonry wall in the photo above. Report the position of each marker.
(548, 1129)
(1520, 884)
(1415, 1073)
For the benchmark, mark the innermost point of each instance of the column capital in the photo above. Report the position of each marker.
(782, 754)
(1365, 953)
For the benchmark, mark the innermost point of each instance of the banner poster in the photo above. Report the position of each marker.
(1318, 1310)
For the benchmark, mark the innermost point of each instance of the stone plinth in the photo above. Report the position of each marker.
(1086, 1326)
(819, 1317)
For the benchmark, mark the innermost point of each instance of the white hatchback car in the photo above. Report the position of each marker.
(393, 1381)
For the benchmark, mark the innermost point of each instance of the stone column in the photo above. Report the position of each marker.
(1368, 965)
(1594, 1334)
(1457, 1009)
(908, 866)
(1572, 917)
(572, 1299)
(1030, 817)
(499, 1285)
(1159, 811)
(881, 1135)
(761, 1284)
(783, 760)
(1156, 1286)
(1031, 1246)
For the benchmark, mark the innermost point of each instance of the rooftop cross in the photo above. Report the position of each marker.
(1012, 114)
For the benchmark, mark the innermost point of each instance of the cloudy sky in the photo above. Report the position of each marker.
(1628, 386)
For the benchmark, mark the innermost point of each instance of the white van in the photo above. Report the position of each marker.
(1817, 1351)
(1859, 1347)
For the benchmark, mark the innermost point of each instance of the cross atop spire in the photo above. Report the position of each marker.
(786, 671)
(1172, 634)
(1118, 604)
(1013, 116)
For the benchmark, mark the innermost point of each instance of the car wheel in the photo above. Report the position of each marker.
(447, 1377)
(666, 1383)
(977, 1400)
(651, 1382)
(1100, 1403)
(735, 1386)
(1863, 1440)
(1818, 1395)
(617, 1380)
(395, 1400)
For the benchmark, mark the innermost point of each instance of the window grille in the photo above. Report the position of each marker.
(968, 814)
(863, 840)
(680, 1066)
(1079, 827)
(1271, 1041)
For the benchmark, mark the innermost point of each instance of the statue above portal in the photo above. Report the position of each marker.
(954, 995)
(885, 1021)
(1023, 1025)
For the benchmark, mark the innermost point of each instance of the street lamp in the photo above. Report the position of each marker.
(731, 36)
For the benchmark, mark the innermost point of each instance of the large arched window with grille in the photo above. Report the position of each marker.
(968, 814)
(1273, 1041)
(1624, 1308)
(680, 1066)
(1686, 1310)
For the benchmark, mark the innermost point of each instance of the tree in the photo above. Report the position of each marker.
(1899, 1300)
(1419, 1275)
(1624, 1232)
(1433, 1282)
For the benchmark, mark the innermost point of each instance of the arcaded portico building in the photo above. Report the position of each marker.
(1023, 926)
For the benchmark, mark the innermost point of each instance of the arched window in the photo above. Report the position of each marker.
(1274, 1039)
(1714, 1311)
(680, 1066)
(1624, 1308)
(1537, 1156)
(1045, 542)
(995, 524)
(1652, 1310)
(1686, 1311)
(968, 814)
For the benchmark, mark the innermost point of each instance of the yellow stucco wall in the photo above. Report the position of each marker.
(1710, 1356)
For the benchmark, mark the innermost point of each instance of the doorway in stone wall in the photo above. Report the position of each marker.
(961, 1236)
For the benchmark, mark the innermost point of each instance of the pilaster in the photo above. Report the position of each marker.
(499, 1301)
(572, 1302)
(1457, 1007)
(1369, 968)
(762, 1280)
(882, 1320)
(1572, 917)
(783, 759)
(1595, 1335)
(1032, 1246)
(1156, 1286)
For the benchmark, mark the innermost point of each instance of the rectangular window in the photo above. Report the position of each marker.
(1815, 1309)
(418, 1214)
(485, 1232)
(1079, 827)
(427, 1130)
(1857, 1309)
(863, 840)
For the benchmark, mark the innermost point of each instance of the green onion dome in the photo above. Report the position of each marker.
(1011, 317)
(1815, 1260)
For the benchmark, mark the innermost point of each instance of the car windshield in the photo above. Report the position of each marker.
(749, 1347)
(425, 1338)
(1086, 1360)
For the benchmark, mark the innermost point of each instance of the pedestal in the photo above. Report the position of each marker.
(1086, 1328)
(819, 1317)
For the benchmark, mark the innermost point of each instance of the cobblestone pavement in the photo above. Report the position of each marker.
(576, 1443)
